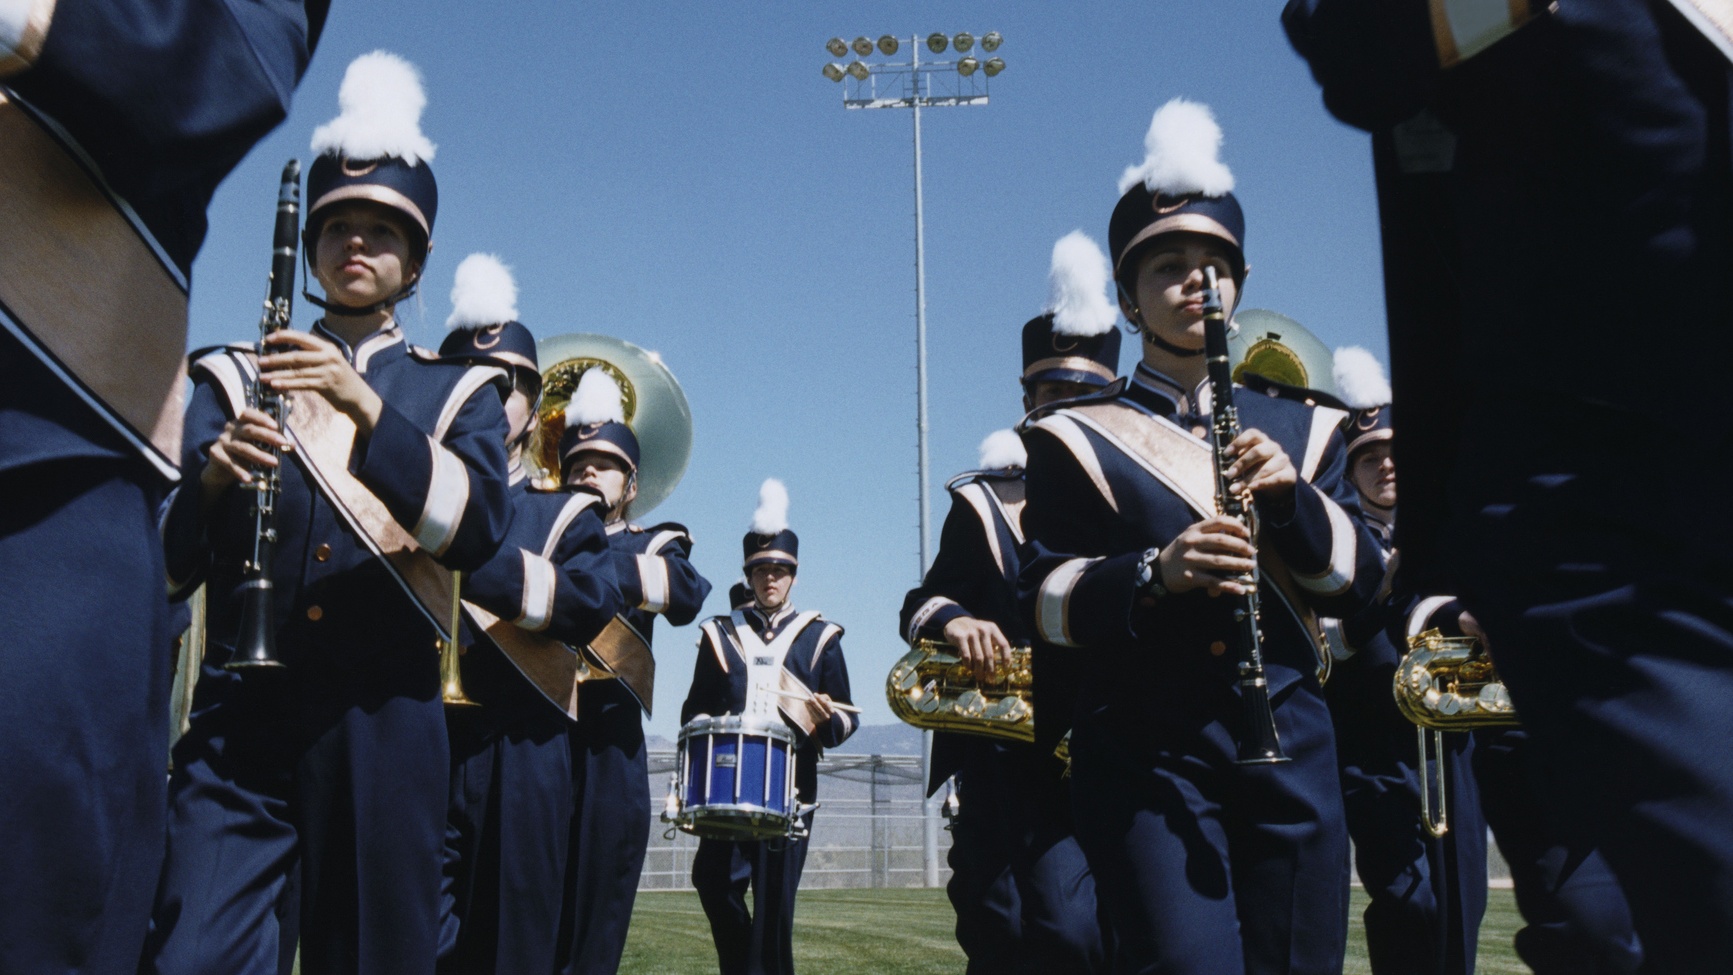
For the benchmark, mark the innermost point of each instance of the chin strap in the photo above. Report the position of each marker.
(348, 311)
(1170, 348)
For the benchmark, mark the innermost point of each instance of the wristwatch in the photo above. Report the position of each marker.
(1149, 575)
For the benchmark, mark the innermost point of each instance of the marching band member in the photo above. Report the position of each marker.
(334, 768)
(1202, 864)
(1019, 883)
(611, 773)
(118, 119)
(1427, 896)
(1513, 151)
(749, 662)
(513, 797)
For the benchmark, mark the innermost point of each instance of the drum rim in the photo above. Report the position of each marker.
(737, 724)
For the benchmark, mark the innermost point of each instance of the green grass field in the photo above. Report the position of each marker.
(908, 932)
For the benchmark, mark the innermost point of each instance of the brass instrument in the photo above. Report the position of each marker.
(1258, 744)
(451, 653)
(1272, 345)
(933, 689)
(654, 405)
(1447, 684)
(256, 643)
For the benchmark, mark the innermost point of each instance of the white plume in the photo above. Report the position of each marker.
(1360, 377)
(379, 112)
(596, 400)
(1079, 281)
(772, 514)
(1002, 449)
(1182, 153)
(483, 293)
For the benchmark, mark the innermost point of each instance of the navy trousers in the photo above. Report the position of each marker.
(1577, 921)
(83, 714)
(1210, 868)
(756, 939)
(328, 778)
(1021, 887)
(1426, 896)
(611, 831)
(510, 826)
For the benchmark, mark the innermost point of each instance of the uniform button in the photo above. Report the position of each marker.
(322, 553)
(1218, 648)
(315, 613)
(1199, 432)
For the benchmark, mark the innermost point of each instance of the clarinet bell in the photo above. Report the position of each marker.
(256, 645)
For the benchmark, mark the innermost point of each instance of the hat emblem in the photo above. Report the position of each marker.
(1369, 418)
(488, 337)
(1071, 342)
(589, 430)
(352, 168)
(1163, 204)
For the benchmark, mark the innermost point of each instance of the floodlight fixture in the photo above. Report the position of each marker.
(858, 71)
(937, 42)
(993, 66)
(863, 46)
(833, 71)
(991, 40)
(836, 46)
(888, 45)
(967, 66)
(963, 41)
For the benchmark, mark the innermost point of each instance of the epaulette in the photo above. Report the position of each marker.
(1298, 394)
(996, 474)
(1110, 391)
(668, 532)
(197, 354)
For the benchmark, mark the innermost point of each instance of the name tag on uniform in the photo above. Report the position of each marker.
(762, 661)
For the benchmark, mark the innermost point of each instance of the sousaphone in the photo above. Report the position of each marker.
(1274, 346)
(655, 409)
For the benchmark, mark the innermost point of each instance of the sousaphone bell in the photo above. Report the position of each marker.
(654, 405)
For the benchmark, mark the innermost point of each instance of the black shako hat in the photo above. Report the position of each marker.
(1053, 356)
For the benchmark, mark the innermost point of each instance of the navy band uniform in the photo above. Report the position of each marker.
(1019, 884)
(1426, 895)
(84, 730)
(756, 937)
(611, 773)
(1202, 864)
(332, 775)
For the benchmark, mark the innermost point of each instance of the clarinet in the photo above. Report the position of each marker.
(1259, 744)
(256, 644)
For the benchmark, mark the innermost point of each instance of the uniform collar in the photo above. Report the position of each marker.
(763, 621)
(616, 527)
(1160, 393)
(388, 338)
(517, 475)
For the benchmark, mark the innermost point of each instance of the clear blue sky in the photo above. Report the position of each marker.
(680, 175)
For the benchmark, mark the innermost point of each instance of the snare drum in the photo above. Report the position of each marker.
(736, 779)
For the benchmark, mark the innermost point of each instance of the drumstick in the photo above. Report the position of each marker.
(835, 705)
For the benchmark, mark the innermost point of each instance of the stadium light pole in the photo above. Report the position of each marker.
(910, 84)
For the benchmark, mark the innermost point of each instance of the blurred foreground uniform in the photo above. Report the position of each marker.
(117, 121)
(1572, 520)
(1019, 883)
(1427, 895)
(757, 937)
(335, 766)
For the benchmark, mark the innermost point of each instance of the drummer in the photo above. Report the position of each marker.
(769, 663)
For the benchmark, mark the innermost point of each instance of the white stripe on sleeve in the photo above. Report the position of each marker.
(447, 496)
